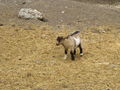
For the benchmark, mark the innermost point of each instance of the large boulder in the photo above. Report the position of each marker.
(28, 13)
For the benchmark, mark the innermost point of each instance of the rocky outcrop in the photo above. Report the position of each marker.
(28, 13)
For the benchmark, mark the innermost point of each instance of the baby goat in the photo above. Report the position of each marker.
(71, 42)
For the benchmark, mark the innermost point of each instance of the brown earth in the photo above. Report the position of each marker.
(30, 60)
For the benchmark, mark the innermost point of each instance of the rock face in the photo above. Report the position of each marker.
(28, 13)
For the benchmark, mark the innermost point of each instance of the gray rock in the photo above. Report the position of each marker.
(28, 13)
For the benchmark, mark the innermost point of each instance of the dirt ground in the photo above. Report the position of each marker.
(30, 59)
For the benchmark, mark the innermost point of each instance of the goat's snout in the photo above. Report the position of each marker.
(57, 44)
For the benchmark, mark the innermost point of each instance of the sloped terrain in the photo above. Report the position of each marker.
(61, 12)
(30, 59)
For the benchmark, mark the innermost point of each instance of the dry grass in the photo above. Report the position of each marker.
(30, 60)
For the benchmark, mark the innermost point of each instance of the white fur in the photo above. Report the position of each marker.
(65, 57)
(77, 41)
(81, 54)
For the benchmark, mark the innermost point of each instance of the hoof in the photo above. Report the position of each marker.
(65, 57)
(81, 54)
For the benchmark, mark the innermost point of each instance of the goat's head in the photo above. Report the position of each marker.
(59, 40)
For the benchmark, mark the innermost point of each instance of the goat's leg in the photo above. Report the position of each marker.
(72, 55)
(74, 51)
(65, 57)
(81, 50)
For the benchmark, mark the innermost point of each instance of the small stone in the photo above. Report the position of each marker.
(19, 59)
(13, 25)
(62, 12)
(29, 74)
(53, 56)
(1, 24)
(24, 3)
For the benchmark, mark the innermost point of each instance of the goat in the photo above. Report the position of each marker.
(71, 42)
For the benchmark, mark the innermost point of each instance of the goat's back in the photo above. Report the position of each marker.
(75, 33)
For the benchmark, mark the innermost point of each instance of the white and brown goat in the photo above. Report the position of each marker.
(71, 42)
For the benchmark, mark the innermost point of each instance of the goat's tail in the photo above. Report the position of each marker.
(75, 33)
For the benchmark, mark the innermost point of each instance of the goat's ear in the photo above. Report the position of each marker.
(59, 38)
